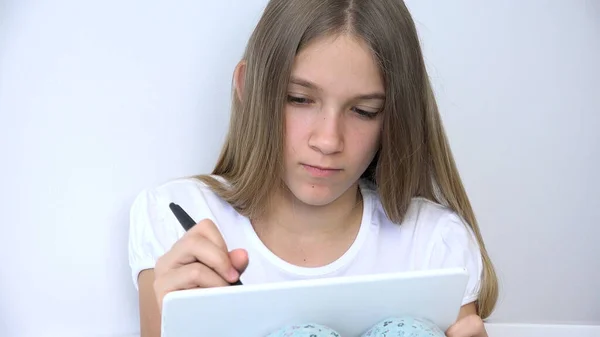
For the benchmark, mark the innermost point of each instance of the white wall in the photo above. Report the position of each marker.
(519, 87)
(98, 100)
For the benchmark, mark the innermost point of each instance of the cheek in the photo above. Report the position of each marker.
(295, 131)
(365, 141)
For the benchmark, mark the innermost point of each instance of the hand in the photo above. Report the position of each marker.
(199, 259)
(468, 326)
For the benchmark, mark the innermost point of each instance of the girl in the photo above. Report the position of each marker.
(336, 163)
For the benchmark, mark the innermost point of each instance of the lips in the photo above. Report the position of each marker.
(320, 171)
(322, 167)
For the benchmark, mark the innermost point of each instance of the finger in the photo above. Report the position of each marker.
(206, 252)
(239, 259)
(193, 275)
(469, 326)
(208, 229)
(198, 249)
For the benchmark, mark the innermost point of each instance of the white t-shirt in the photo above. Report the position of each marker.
(430, 237)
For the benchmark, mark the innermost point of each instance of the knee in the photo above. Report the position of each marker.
(401, 326)
(305, 330)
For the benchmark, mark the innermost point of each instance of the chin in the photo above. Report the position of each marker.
(314, 194)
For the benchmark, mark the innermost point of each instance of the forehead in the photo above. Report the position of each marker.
(341, 64)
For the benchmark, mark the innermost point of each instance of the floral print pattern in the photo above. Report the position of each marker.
(392, 327)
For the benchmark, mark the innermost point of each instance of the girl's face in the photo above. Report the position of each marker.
(333, 118)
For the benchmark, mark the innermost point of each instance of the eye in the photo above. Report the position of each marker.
(298, 100)
(365, 114)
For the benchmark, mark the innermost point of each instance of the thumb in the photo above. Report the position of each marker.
(239, 259)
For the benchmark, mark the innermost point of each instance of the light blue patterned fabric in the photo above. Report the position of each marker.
(392, 327)
(404, 327)
(305, 330)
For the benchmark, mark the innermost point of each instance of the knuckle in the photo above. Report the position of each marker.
(204, 225)
(196, 272)
(187, 243)
(192, 240)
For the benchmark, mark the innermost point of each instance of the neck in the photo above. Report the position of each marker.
(287, 214)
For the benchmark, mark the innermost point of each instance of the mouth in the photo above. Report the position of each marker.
(320, 171)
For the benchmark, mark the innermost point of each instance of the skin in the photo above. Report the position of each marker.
(329, 126)
(333, 120)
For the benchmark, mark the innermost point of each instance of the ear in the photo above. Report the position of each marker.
(238, 78)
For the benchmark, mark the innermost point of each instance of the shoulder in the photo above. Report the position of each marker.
(435, 221)
(192, 194)
(425, 217)
(153, 229)
(434, 237)
(427, 222)
(178, 190)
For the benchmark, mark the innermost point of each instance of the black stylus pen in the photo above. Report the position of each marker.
(187, 222)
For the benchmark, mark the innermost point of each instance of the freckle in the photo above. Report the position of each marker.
(313, 186)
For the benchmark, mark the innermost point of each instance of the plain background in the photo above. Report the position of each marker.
(99, 100)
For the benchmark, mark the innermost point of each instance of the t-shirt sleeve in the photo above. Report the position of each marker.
(455, 245)
(150, 234)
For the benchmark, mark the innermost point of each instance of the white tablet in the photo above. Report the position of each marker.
(349, 305)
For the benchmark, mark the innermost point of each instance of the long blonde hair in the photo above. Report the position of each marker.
(414, 158)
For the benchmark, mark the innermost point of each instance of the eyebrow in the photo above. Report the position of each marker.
(312, 86)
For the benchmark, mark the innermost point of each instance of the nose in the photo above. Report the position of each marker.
(327, 136)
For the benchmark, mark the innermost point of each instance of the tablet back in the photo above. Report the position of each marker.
(349, 305)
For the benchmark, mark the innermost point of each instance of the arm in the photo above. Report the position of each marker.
(149, 312)
(467, 310)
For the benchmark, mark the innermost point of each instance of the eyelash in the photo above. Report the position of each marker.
(304, 101)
